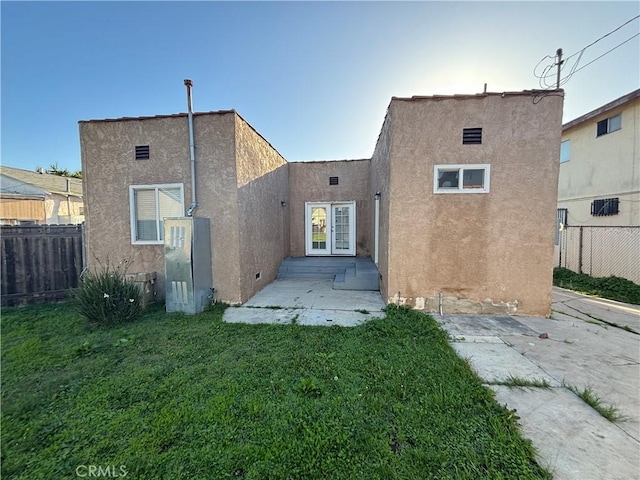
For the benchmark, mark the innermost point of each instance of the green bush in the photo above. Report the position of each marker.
(105, 296)
(614, 288)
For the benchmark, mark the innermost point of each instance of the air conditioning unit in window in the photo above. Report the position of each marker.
(187, 261)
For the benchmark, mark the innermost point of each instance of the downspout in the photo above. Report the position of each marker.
(376, 228)
(192, 149)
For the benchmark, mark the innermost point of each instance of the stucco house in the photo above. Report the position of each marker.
(35, 198)
(599, 181)
(457, 203)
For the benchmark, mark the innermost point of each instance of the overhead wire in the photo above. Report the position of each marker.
(542, 78)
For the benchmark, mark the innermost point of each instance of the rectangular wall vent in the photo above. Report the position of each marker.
(605, 207)
(333, 180)
(471, 136)
(142, 152)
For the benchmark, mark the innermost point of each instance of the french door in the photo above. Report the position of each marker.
(330, 228)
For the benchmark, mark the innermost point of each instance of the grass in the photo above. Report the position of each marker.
(613, 288)
(175, 396)
(609, 412)
(514, 381)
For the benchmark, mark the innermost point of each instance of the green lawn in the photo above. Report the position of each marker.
(189, 397)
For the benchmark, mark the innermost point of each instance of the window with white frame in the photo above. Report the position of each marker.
(461, 178)
(565, 151)
(150, 205)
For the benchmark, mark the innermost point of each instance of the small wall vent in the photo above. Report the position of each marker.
(142, 152)
(471, 136)
(333, 180)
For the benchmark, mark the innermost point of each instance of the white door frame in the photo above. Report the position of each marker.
(331, 233)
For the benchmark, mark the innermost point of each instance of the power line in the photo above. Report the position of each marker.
(562, 64)
(608, 51)
(605, 36)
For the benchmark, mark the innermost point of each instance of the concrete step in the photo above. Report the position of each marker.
(306, 275)
(368, 282)
(348, 273)
(311, 269)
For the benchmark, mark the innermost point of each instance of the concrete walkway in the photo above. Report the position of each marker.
(578, 347)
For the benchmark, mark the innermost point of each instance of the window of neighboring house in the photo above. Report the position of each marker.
(609, 125)
(461, 178)
(150, 205)
(605, 207)
(565, 151)
(562, 216)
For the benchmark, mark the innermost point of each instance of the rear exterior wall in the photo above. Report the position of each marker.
(263, 218)
(109, 168)
(309, 182)
(486, 252)
(380, 183)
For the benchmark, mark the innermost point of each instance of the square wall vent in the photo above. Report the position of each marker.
(471, 136)
(142, 152)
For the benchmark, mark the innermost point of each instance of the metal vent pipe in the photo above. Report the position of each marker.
(192, 148)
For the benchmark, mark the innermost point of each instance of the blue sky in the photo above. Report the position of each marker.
(314, 78)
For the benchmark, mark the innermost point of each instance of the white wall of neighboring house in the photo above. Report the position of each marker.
(38, 198)
(603, 167)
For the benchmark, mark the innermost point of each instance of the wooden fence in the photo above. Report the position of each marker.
(40, 263)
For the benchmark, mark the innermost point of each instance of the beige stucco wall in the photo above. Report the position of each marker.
(109, 168)
(380, 182)
(603, 167)
(63, 209)
(263, 183)
(309, 182)
(486, 252)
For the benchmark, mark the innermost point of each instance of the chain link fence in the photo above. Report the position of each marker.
(600, 251)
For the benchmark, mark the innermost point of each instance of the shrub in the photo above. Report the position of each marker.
(105, 296)
(615, 288)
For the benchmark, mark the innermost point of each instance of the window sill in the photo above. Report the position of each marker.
(469, 190)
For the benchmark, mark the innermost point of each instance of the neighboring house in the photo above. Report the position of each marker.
(599, 180)
(28, 198)
(458, 201)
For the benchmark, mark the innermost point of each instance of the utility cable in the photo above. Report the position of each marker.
(547, 69)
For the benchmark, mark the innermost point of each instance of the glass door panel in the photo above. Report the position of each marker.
(343, 229)
(318, 229)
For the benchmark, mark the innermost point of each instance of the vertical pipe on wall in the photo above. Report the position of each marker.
(192, 148)
(376, 229)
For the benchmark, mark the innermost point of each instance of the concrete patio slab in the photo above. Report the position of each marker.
(308, 302)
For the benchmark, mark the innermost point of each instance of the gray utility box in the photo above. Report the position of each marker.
(187, 264)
